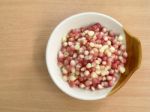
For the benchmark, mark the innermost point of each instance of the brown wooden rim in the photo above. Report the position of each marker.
(137, 67)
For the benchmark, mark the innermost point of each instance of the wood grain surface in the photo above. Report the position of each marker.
(25, 26)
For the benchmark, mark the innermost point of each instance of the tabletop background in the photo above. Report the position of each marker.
(25, 26)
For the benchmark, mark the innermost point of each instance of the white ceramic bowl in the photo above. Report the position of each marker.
(54, 44)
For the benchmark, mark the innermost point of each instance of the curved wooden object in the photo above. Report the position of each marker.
(134, 51)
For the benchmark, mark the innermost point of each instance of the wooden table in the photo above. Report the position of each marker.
(25, 26)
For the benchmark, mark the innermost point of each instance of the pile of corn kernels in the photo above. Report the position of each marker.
(92, 57)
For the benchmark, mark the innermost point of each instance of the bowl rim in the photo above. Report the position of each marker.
(48, 42)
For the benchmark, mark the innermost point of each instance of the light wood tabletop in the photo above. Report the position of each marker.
(25, 26)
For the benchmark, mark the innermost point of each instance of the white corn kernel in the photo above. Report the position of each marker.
(64, 71)
(112, 49)
(91, 33)
(77, 73)
(86, 31)
(66, 54)
(95, 50)
(98, 72)
(83, 38)
(122, 69)
(108, 67)
(86, 57)
(98, 46)
(120, 38)
(77, 46)
(97, 62)
(79, 40)
(97, 67)
(90, 57)
(94, 75)
(108, 53)
(92, 44)
(73, 70)
(72, 78)
(65, 44)
(64, 39)
(94, 37)
(120, 58)
(93, 64)
(81, 50)
(83, 34)
(102, 67)
(89, 65)
(103, 48)
(104, 72)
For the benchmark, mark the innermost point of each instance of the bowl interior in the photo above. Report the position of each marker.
(54, 45)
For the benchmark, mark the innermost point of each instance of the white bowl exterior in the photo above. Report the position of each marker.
(54, 44)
